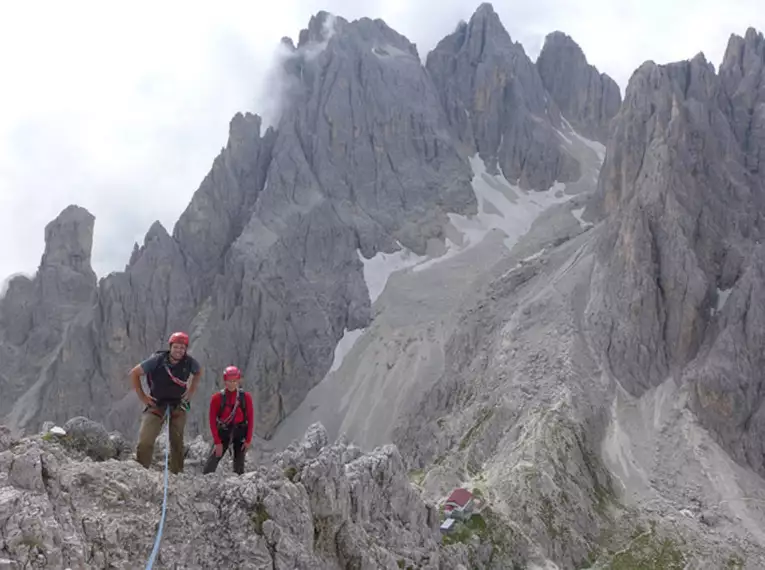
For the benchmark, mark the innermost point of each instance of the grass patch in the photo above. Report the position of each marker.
(324, 534)
(547, 514)
(258, 516)
(417, 476)
(488, 527)
(734, 563)
(471, 434)
(32, 542)
(647, 551)
(464, 531)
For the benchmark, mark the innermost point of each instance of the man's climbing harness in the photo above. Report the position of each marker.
(158, 539)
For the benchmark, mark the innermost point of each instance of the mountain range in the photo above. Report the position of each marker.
(530, 285)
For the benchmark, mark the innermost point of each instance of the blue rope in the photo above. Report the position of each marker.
(155, 550)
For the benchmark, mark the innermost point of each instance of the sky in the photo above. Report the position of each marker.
(123, 110)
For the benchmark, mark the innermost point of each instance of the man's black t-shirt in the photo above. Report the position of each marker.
(167, 383)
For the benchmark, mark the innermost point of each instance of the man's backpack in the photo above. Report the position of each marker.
(242, 404)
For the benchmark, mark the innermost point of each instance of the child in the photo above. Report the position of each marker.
(230, 421)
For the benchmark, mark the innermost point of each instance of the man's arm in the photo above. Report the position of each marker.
(213, 416)
(250, 417)
(135, 379)
(196, 374)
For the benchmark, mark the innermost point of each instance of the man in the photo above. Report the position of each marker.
(230, 421)
(167, 374)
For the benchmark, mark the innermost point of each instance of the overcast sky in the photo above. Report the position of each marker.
(123, 111)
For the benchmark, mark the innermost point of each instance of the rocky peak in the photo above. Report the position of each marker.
(485, 33)
(686, 208)
(361, 163)
(37, 317)
(497, 104)
(743, 77)
(744, 54)
(660, 99)
(321, 28)
(587, 98)
(224, 201)
(69, 240)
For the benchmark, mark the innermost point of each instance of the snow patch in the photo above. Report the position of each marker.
(533, 256)
(388, 51)
(452, 249)
(564, 137)
(548, 565)
(344, 346)
(599, 148)
(56, 430)
(378, 269)
(722, 296)
(501, 206)
(578, 215)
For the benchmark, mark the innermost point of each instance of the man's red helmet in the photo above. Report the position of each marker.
(231, 373)
(180, 337)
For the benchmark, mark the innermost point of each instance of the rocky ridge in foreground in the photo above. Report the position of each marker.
(74, 498)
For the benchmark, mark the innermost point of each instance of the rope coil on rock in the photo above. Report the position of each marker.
(158, 539)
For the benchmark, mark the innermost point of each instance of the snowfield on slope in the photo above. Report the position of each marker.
(415, 297)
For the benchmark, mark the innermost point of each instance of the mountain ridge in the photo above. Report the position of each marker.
(567, 324)
(204, 240)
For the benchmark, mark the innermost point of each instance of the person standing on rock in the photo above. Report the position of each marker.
(167, 373)
(231, 421)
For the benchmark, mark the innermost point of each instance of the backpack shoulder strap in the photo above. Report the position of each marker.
(222, 402)
(243, 404)
(160, 361)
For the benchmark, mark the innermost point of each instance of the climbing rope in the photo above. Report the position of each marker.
(158, 539)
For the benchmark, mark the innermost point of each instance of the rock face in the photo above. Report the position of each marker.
(600, 385)
(319, 507)
(45, 339)
(589, 369)
(272, 260)
(223, 203)
(587, 98)
(684, 195)
(356, 169)
(497, 103)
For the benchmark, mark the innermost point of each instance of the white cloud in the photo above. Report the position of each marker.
(122, 111)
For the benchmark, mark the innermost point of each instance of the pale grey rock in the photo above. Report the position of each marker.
(46, 327)
(593, 385)
(5, 438)
(71, 513)
(223, 203)
(263, 267)
(357, 166)
(586, 98)
(674, 207)
(122, 448)
(497, 104)
(678, 286)
(91, 438)
(741, 74)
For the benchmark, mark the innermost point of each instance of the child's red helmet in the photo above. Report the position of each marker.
(231, 373)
